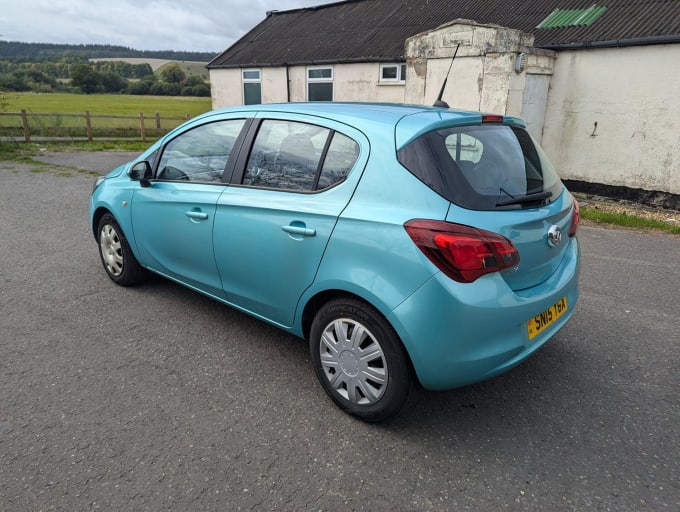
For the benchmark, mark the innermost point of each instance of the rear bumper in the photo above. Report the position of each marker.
(457, 334)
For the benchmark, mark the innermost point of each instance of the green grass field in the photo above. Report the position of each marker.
(60, 115)
(107, 104)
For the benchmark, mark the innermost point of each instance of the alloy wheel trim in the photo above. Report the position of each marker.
(111, 250)
(353, 362)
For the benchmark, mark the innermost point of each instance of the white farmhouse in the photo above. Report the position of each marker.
(597, 83)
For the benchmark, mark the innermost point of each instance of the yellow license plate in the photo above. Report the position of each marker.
(540, 322)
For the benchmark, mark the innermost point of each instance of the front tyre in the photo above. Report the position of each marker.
(360, 360)
(119, 262)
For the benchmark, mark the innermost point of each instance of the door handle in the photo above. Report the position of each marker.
(299, 230)
(196, 215)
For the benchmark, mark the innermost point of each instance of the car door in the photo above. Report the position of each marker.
(173, 217)
(272, 225)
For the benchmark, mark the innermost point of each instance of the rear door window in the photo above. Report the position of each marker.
(483, 167)
(298, 157)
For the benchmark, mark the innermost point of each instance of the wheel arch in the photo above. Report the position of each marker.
(126, 229)
(97, 216)
(314, 304)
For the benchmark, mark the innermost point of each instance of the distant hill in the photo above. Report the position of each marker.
(13, 50)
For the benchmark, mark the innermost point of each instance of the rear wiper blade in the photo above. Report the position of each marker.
(529, 198)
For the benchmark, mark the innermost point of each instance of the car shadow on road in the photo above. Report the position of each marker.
(534, 389)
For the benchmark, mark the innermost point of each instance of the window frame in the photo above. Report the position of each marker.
(324, 80)
(401, 73)
(231, 160)
(245, 81)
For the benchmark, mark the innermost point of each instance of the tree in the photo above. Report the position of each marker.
(37, 80)
(171, 89)
(113, 82)
(201, 90)
(86, 78)
(172, 73)
(192, 80)
(141, 87)
(156, 89)
(14, 82)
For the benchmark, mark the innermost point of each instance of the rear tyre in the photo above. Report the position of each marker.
(119, 262)
(360, 361)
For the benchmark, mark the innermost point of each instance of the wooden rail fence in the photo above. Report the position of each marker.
(84, 126)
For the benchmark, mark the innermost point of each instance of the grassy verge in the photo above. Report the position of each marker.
(627, 220)
(22, 152)
(11, 151)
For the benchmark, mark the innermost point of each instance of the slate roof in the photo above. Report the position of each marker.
(375, 30)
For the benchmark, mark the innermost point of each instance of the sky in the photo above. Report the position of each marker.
(182, 25)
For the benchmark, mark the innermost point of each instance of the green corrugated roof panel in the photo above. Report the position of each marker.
(561, 18)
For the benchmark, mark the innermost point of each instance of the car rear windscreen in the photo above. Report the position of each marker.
(483, 167)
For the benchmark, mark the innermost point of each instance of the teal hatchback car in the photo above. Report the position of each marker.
(409, 245)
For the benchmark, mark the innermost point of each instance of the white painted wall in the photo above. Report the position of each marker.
(633, 95)
(361, 82)
(463, 87)
(274, 85)
(225, 87)
(483, 73)
(351, 82)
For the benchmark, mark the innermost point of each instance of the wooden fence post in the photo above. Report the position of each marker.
(142, 130)
(88, 124)
(24, 123)
(158, 120)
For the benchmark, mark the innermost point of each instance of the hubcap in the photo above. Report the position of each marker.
(111, 250)
(353, 361)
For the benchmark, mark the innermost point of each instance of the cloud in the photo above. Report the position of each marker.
(185, 25)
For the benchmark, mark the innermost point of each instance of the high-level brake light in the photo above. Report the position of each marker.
(492, 118)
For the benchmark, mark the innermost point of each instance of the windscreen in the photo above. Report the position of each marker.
(484, 167)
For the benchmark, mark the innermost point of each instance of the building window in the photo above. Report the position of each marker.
(320, 84)
(252, 87)
(392, 73)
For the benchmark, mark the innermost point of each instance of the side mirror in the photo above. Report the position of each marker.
(141, 172)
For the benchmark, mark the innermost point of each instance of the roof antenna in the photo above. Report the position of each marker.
(439, 102)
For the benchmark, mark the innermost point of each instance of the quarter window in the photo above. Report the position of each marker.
(392, 73)
(320, 84)
(252, 86)
(200, 154)
(342, 153)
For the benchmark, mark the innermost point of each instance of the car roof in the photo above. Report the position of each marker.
(406, 121)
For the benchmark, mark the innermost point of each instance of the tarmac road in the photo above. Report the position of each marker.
(156, 397)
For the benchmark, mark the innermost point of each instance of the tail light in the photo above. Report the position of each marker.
(462, 252)
(575, 219)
